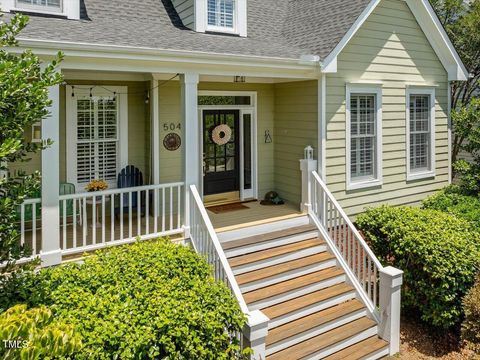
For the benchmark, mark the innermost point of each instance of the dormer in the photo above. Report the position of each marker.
(66, 8)
(213, 16)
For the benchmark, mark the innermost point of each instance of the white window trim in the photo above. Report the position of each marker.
(373, 89)
(69, 9)
(418, 90)
(41, 9)
(71, 127)
(240, 19)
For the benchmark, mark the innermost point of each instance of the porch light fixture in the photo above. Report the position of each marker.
(308, 153)
(239, 79)
(37, 132)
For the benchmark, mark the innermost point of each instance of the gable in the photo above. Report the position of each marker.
(411, 19)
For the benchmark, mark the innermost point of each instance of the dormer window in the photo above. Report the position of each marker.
(41, 5)
(221, 15)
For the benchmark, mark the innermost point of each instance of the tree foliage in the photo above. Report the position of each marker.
(24, 83)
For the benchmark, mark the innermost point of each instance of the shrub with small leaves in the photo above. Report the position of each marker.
(439, 254)
(142, 301)
(471, 324)
(34, 334)
(451, 200)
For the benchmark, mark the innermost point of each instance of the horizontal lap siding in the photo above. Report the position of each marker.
(392, 49)
(296, 126)
(186, 11)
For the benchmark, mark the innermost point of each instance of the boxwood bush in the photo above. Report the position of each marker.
(471, 324)
(147, 300)
(452, 201)
(438, 253)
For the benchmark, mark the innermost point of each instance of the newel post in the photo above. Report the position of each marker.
(391, 280)
(307, 166)
(255, 334)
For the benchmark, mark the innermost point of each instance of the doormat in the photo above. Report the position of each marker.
(219, 209)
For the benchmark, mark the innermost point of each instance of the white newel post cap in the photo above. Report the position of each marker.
(256, 332)
(391, 277)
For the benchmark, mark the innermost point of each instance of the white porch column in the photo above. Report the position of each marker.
(255, 332)
(51, 253)
(391, 280)
(191, 140)
(155, 114)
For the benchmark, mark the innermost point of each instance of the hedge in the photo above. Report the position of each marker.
(471, 324)
(450, 200)
(146, 300)
(438, 252)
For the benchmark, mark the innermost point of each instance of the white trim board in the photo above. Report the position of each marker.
(431, 26)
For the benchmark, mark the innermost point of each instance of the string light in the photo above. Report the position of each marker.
(127, 93)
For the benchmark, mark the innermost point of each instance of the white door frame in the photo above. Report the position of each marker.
(243, 109)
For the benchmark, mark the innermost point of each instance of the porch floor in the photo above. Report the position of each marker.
(256, 214)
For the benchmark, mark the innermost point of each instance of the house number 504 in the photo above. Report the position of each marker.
(172, 126)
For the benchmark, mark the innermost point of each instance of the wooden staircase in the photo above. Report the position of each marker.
(285, 270)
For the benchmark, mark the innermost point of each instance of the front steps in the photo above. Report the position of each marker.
(285, 270)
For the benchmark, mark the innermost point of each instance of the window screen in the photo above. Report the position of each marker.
(221, 13)
(363, 136)
(97, 139)
(420, 133)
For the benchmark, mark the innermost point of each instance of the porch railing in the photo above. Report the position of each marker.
(93, 220)
(205, 242)
(355, 256)
(30, 218)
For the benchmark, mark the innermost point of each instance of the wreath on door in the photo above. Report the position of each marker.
(221, 134)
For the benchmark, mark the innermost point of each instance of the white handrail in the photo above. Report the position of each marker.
(353, 253)
(203, 245)
(348, 221)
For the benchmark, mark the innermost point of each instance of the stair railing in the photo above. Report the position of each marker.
(205, 242)
(347, 243)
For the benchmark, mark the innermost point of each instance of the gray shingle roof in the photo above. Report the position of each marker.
(276, 28)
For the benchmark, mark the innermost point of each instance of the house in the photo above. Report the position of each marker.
(215, 102)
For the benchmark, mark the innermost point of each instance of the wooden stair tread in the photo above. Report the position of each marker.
(272, 252)
(312, 321)
(292, 284)
(270, 271)
(360, 350)
(268, 236)
(323, 341)
(286, 307)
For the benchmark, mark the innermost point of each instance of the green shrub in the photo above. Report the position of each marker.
(147, 300)
(471, 324)
(438, 253)
(452, 201)
(36, 334)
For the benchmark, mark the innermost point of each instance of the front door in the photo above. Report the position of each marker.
(221, 149)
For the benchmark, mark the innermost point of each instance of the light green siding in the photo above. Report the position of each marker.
(296, 126)
(391, 49)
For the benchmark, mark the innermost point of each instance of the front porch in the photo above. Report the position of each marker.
(101, 122)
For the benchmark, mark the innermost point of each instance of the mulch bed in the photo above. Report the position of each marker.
(419, 342)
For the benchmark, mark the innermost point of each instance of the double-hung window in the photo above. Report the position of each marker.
(40, 5)
(96, 130)
(364, 136)
(221, 15)
(420, 133)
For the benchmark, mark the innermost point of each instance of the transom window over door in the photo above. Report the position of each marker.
(363, 137)
(97, 136)
(421, 137)
(221, 14)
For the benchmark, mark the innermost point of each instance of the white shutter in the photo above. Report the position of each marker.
(221, 13)
(97, 139)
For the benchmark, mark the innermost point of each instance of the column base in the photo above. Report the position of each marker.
(51, 258)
